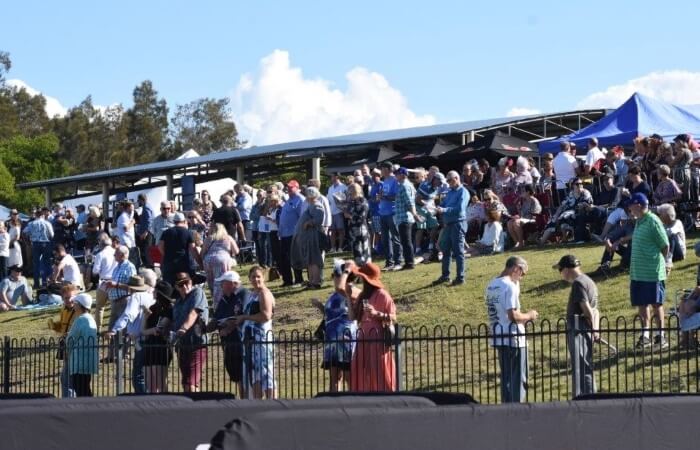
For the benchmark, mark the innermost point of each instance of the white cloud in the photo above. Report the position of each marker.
(674, 86)
(53, 106)
(517, 111)
(278, 104)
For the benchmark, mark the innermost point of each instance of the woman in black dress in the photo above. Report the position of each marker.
(157, 351)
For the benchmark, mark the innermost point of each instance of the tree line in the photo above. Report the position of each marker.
(34, 146)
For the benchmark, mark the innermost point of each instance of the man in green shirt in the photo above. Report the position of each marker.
(648, 269)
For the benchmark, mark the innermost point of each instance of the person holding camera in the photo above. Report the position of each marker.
(233, 297)
(338, 329)
(373, 368)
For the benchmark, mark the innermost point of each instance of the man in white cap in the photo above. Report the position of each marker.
(231, 305)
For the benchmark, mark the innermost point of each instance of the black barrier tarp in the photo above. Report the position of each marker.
(153, 422)
(639, 424)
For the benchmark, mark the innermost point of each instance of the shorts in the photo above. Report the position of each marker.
(191, 363)
(338, 222)
(644, 293)
(376, 224)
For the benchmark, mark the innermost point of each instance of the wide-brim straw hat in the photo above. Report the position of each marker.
(370, 273)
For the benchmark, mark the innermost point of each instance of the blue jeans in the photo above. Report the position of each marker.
(390, 241)
(138, 377)
(265, 257)
(41, 262)
(406, 238)
(513, 364)
(675, 250)
(452, 245)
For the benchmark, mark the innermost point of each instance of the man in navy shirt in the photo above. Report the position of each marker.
(454, 214)
(144, 237)
(231, 305)
(289, 216)
(387, 205)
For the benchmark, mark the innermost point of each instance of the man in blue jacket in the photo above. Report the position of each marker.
(454, 214)
(387, 206)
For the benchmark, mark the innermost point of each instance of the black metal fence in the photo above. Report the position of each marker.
(448, 359)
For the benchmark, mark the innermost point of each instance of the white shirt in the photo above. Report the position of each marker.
(132, 317)
(104, 263)
(564, 168)
(126, 237)
(5, 244)
(594, 155)
(335, 189)
(71, 271)
(676, 229)
(503, 295)
(327, 217)
(268, 222)
(492, 233)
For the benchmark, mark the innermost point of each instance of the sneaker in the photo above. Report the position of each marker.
(408, 267)
(660, 342)
(388, 268)
(418, 259)
(397, 267)
(579, 242)
(642, 343)
(457, 282)
(441, 280)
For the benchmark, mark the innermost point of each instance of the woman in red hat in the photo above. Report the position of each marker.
(372, 366)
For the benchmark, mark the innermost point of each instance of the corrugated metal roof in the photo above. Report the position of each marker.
(330, 144)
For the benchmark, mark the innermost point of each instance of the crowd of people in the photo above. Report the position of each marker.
(151, 269)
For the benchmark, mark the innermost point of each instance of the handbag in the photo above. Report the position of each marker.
(320, 333)
(273, 274)
(323, 242)
(389, 334)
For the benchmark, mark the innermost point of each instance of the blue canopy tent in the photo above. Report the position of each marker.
(640, 115)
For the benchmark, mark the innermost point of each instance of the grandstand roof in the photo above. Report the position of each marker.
(530, 125)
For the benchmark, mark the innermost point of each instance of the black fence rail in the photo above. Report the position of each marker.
(448, 359)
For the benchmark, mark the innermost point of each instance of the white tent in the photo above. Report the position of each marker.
(155, 195)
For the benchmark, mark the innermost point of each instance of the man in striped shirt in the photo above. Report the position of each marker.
(648, 269)
(405, 216)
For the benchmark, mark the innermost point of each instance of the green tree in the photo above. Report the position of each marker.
(91, 138)
(31, 159)
(5, 65)
(146, 128)
(204, 125)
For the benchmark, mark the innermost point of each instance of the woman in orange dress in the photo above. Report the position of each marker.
(373, 367)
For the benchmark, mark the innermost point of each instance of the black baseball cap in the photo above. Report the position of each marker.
(567, 262)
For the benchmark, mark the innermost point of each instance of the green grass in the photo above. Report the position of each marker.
(421, 304)
(463, 363)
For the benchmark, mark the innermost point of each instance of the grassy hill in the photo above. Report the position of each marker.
(421, 304)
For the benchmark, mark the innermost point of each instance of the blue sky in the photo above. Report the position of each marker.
(448, 60)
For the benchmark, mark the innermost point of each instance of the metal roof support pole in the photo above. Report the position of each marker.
(47, 196)
(105, 199)
(316, 168)
(169, 187)
(240, 175)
